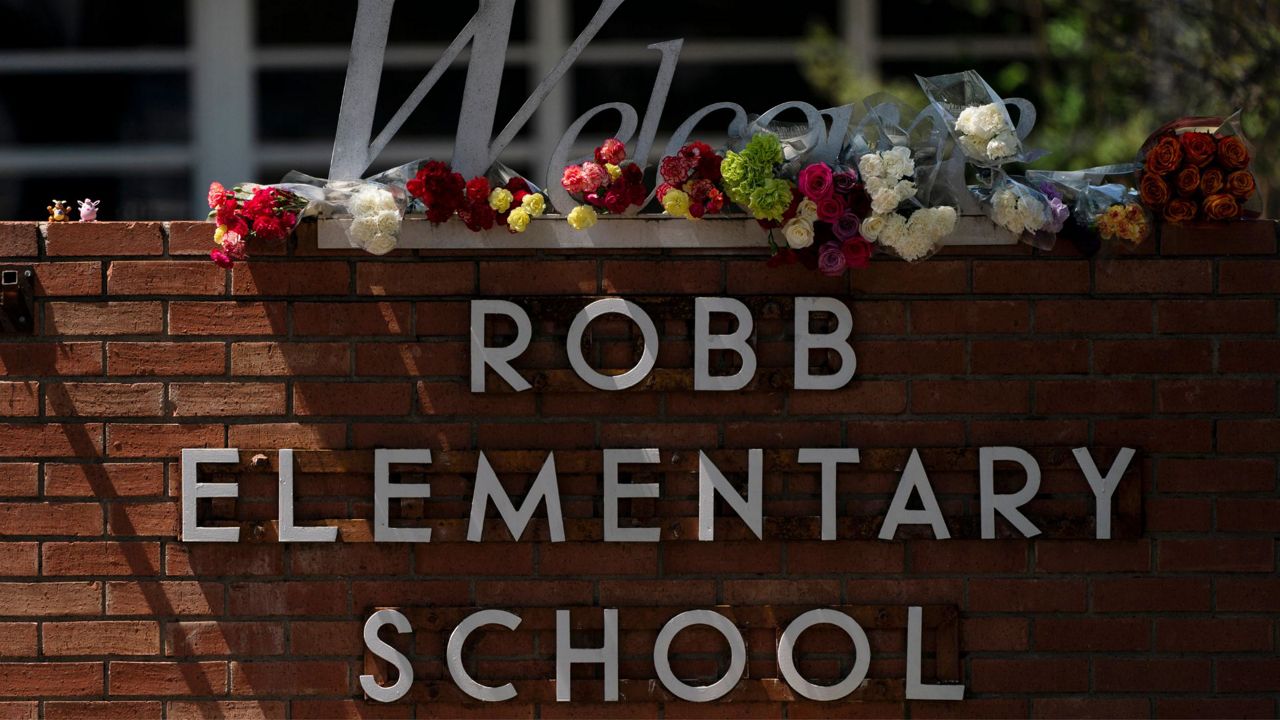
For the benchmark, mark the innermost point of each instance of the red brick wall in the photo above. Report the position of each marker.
(144, 347)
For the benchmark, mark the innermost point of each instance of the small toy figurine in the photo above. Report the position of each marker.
(58, 211)
(88, 210)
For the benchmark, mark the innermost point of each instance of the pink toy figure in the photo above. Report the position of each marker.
(88, 210)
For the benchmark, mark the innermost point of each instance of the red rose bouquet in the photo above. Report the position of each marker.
(250, 212)
(823, 225)
(691, 182)
(1196, 169)
(609, 184)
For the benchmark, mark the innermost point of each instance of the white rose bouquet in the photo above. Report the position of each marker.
(889, 179)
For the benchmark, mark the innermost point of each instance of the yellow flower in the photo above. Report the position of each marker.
(676, 203)
(217, 234)
(534, 203)
(582, 217)
(500, 199)
(614, 171)
(518, 220)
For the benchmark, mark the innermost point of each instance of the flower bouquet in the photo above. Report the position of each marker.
(608, 183)
(1088, 211)
(1197, 169)
(822, 226)
(691, 182)
(478, 203)
(751, 181)
(979, 118)
(250, 212)
(889, 178)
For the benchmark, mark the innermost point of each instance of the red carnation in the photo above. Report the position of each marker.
(675, 169)
(616, 200)
(518, 184)
(478, 190)
(612, 151)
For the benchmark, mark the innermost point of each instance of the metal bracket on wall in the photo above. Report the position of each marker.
(17, 300)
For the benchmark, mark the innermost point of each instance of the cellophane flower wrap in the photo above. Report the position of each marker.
(899, 222)
(1021, 209)
(1096, 211)
(608, 183)
(691, 183)
(1198, 169)
(978, 118)
(250, 213)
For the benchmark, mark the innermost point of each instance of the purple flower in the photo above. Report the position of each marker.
(844, 182)
(831, 261)
(815, 182)
(1050, 190)
(846, 226)
(1058, 212)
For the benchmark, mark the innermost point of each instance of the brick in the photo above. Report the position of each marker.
(227, 709)
(100, 558)
(1248, 356)
(210, 559)
(754, 277)
(305, 677)
(1158, 435)
(1093, 397)
(1094, 316)
(347, 559)
(1217, 555)
(1151, 675)
(452, 398)
(170, 598)
(1124, 357)
(154, 519)
(19, 239)
(19, 399)
(309, 598)
(226, 399)
(165, 358)
(780, 592)
(149, 277)
(549, 277)
(969, 556)
(1029, 357)
(994, 634)
(1198, 635)
(19, 479)
(326, 436)
(1248, 515)
(218, 638)
(1216, 475)
(1155, 277)
(1252, 675)
(286, 358)
(1075, 708)
(191, 238)
(44, 680)
(415, 278)
(103, 480)
(930, 317)
(51, 598)
(17, 639)
(1243, 436)
(104, 318)
(52, 440)
(1151, 594)
(1219, 706)
(1092, 634)
(1206, 396)
(476, 559)
(167, 679)
(1029, 675)
(329, 399)
(67, 279)
(273, 279)
(970, 396)
(1216, 316)
(352, 319)
(439, 319)
(1242, 238)
(85, 399)
(1019, 277)
(325, 638)
(1165, 514)
(37, 518)
(634, 277)
(160, 440)
(598, 559)
(869, 397)
(1026, 595)
(104, 238)
(215, 318)
(20, 559)
(73, 358)
(1240, 277)
(908, 357)
(819, 558)
(1093, 556)
(101, 709)
(101, 637)
(412, 359)
(940, 277)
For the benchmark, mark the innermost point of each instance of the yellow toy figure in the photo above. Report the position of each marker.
(58, 211)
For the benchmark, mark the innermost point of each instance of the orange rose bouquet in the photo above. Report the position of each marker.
(1197, 168)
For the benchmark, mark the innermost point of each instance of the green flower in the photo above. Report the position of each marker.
(733, 168)
(764, 150)
(771, 200)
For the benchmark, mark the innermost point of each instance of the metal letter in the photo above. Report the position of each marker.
(458, 639)
(567, 656)
(737, 656)
(383, 650)
(830, 459)
(1103, 487)
(628, 309)
(837, 340)
(787, 660)
(288, 531)
(917, 690)
(613, 490)
(704, 342)
(193, 490)
(1007, 504)
(711, 482)
(383, 491)
(544, 489)
(914, 478)
(498, 358)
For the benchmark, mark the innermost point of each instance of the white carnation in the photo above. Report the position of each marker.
(877, 185)
(1018, 213)
(898, 163)
(884, 202)
(1002, 146)
(904, 190)
(983, 121)
(973, 147)
(894, 232)
(370, 232)
(870, 166)
(387, 222)
(872, 226)
(798, 232)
